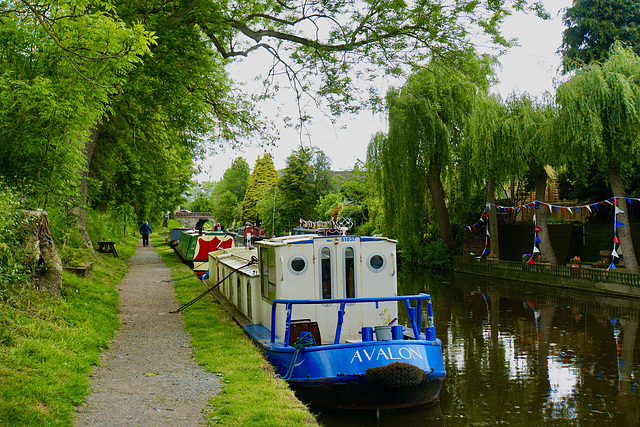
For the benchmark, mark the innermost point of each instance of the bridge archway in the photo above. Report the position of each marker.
(190, 219)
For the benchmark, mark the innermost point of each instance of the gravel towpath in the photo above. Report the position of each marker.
(148, 376)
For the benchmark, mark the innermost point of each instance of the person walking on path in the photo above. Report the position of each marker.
(145, 230)
(147, 376)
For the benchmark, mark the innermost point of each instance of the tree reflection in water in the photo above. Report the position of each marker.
(524, 354)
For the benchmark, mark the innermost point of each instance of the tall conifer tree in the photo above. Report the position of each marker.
(594, 25)
(264, 174)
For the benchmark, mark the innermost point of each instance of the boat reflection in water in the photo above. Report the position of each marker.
(521, 354)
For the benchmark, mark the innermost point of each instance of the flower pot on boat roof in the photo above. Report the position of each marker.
(383, 333)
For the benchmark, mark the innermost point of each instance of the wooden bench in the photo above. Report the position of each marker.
(108, 246)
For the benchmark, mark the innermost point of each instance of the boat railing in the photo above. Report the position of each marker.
(414, 313)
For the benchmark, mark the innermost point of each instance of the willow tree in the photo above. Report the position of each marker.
(600, 118)
(426, 119)
(532, 126)
(489, 150)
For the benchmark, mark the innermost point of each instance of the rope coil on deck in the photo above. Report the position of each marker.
(303, 341)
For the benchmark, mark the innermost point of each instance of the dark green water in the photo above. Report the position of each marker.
(521, 354)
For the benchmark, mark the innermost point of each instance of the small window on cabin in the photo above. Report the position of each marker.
(298, 265)
(325, 272)
(268, 269)
(376, 263)
(264, 274)
(248, 294)
(350, 273)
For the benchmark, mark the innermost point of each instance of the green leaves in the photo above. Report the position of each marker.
(335, 51)
(146, 81)
(228, 194)
(60, 64)
(264, 176)
(601, 105)
(305, 179)
(592, 28)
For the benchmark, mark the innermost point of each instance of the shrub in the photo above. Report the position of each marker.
(601, 263)
(15, 267)
(435, 256)
(366, 229)
(107, 226)
(72, 257)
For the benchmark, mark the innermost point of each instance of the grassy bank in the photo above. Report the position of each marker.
(48, 346)
(252, 394)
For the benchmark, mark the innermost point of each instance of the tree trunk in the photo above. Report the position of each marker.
(90, 145)
(442, 213)
(624, 231)
(540, 177)
(46, 260)
(494, 243)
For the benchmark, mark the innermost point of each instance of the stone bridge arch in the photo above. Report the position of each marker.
(189, 219)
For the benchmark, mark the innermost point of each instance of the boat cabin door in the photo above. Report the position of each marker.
(337, 271)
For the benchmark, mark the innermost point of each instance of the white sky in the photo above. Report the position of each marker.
(532, 67)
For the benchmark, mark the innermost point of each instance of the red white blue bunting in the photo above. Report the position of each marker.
(616, 225)
(551, 208)
(536, 240)
(557, 209)
(485, 217)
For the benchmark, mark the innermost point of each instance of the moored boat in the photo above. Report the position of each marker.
(321, 306)
(248, 234)
(194, 246)
(174, 236)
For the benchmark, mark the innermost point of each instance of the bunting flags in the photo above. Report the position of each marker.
(536, 240)
(552, 209)
(616, 241)
(482, 220)
(614, 201)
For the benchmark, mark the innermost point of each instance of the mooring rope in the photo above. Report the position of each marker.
(302, 342)
(199, 297)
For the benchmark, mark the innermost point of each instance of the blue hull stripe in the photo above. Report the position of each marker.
(348, 362)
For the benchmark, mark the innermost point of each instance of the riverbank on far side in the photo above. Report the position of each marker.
(609, 282)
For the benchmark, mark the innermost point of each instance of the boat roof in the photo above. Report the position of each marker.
(309, 238)
(237, 258)
(191, 232)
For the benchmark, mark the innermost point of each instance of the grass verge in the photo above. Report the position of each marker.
(252, 394)
(48, 345)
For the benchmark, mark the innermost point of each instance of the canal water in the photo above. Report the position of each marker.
(523, 354)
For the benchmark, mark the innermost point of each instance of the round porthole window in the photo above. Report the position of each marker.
(298, 264)
(377, 262)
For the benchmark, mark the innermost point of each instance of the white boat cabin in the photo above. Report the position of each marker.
(311, 267)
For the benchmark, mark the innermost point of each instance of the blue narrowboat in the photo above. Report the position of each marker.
(324, 309)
